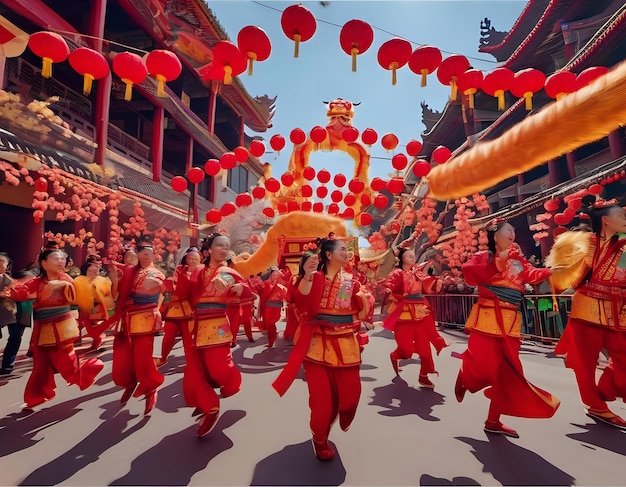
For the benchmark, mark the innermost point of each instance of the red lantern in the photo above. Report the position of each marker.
(349, 199)
(424, 60)
(297, 136)
(560, 84)
(214, 215)
(551, 205)
(259, 192)
(306, 206)
(131, 69)
(287, 179)
(497, 83)
(575, 203)
(243, 199)
(339, 180)
(257, 148)
(595, 189)
(441, 154)
(292, 206)
(413, 148)
(380, 201)
(350, 134)
(526, 83)
(321, 192)
(272, 185)
(389, 141)
(395, 185)
(365, 219)
(41, 185)
(90, 64)
(450, 69)
(306, 191)
(561, 219)
(195, 175)
(333, 209)
(366, 200)
(308, 173)
(336, 196)
(212, 167)
(318, 207)
(369, 136)
(298, 24)
(348, 214)
(282, 208)
(356, 185)
(378, 184)
(228, 61)
(163, 66)
(469, 83)
(49, 46)
(355, 38)
(254, 43)
(179, 184)
(318, 134)
(241, 154)
(589, 75)
(277, 142)
(323, 176)
(399, 162)
(569, 213)
(394, 54)
(269, 212)
(421, 168)
(228, 209)
(228, 160)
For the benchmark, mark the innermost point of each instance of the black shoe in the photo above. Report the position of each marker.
(4, 371)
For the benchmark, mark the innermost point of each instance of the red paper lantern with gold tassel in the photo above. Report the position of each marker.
(49, 46)
(560, 84)
(131, 69)
(425, 60)
(355, 38)
(254, 43)
(90, 64)
(526, 83)
(394, 54)
(228, 61)
(590, 74)
(163, 65)
(298, 24)
(469, 83)
(497, 83)
(450, 69)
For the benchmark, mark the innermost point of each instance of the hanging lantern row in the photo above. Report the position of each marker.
(161, 64)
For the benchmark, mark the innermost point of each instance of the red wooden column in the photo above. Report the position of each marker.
(212, 105)
(189, 155)
(241, 131)
(520, 183)
(157, 143)
(571, 164)
(616, 144)
(97, 19)
(554, 172)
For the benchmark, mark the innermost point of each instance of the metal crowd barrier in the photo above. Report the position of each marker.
(539, 320)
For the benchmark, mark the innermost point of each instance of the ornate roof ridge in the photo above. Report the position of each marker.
(522, 15)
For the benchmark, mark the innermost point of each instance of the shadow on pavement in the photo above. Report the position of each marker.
(398, 399)
(601, 435)
(178, 457)
(513, 465)
(430, 480)
(297, 465)
(263, 359)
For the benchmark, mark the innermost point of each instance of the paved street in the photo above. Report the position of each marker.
(402, 435)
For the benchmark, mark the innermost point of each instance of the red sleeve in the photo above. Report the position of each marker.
(395, 283)
(21, 291)
(357, 302)
(534, 275)
(479, 269)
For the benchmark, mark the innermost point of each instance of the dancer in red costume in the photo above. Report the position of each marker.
(272, 297)
(210, 363)
(494, 324)
(328, 344)
(179, 311)
(412, 321)
(55, 330)
(138, 307)
(598, 317)
(296, 301)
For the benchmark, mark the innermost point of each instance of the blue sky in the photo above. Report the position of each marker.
(323, 72)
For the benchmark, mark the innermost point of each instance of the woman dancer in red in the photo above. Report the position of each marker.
(494, 324)
(272, 296)
(138, 306)
(179, 312)
(598, 317)
(296, 301)
(210, 363)
(328, 345)
(411, 321)
(55, 330)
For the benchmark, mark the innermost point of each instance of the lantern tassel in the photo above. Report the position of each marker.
(559, 96)
(453, 87)
(424, 72)
(471, 99)
(128, 93)
(161, 86)
(354, 53)
(296, 47)
(500, 95)
(228, 75)
(528, 96)
(393, 67)
(87, 83)
(46, 70)
(251, 58)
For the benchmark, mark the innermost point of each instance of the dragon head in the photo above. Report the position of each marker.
(341, 110)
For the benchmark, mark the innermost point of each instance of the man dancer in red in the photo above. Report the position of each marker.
(273, 296)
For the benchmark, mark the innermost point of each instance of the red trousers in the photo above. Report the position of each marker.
(271, 315)
(291, 322)
(133, 363)
(171, 329)
(62, 359)
(333, 391)
(208, 368)
(415, 337)
(582, 344)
